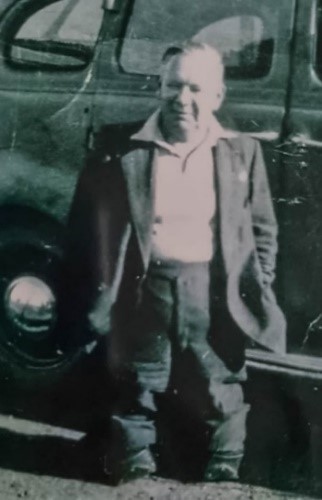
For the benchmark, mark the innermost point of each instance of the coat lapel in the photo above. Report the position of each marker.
(227, 166)
(139, 176)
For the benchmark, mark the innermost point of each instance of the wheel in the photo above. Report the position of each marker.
(30, 255)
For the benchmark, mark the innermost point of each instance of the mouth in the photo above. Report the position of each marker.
(182, 115)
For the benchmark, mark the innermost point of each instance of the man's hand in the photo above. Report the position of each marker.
(100, 316)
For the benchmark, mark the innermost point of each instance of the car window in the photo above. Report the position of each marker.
(61, 35)
(243, 33)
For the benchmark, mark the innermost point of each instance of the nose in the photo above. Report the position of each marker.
(184, 95)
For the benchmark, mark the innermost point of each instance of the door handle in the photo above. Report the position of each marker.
(296, 149)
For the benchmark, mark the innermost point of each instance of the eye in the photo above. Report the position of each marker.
(174, 85)
(195, 88)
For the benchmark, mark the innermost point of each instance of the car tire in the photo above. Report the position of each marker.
(30, 256)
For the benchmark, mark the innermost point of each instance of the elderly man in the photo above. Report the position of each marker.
(172, 245)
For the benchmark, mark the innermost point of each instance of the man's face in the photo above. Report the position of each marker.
(190, 91)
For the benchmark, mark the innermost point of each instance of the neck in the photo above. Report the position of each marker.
(174, 134)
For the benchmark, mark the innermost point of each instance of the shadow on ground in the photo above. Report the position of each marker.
(278, 447)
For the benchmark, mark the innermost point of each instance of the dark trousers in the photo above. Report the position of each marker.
(172, 327)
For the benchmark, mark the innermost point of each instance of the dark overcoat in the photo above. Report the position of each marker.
(110, 225)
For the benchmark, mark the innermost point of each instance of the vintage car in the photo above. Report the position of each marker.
(67, 67)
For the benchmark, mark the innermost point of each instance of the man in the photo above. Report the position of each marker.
(172, 252)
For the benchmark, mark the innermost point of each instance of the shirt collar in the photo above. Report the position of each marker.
(150, 132)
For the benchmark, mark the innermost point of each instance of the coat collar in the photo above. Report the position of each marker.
(138, 171)
(228, 165)
(150, 132)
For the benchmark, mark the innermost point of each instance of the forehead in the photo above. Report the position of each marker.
(194, 67)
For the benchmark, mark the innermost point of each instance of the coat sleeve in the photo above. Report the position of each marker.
(97, 235)
(263, 216)
(75, 276)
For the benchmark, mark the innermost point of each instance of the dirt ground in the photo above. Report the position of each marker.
(44, 462)
(16, 485)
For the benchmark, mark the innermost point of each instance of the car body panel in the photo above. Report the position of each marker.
(52, 115)
(50, 118)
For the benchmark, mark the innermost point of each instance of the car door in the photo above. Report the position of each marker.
(301, 230)
(255, 39)
(47, 82)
